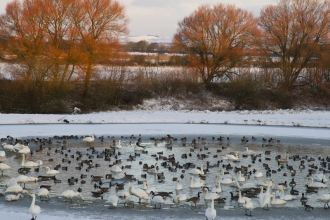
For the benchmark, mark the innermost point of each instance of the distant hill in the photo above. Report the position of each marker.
(148, 38)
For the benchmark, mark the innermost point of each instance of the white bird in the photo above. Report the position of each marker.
(246, 185)
(286, 197)
(196, 183)
(2, 153)
(258, 174)
(241, 199)
(130, 199)
(210, 195)
(116, 169)
(197, 171)
(226, 180)
(25, 179)
(248, 205)
(3, 167)
(24, 150)
(140, 193)
(320, 177)
(316, 184)
(232, 157)
(157, 200)
(89, 139)
(43, 192)
(148, 189)
(13, 197)
(211, 213)
(8, 147)
(113, 200)
(223, 175)
(70, 194)
(51, 172)
(30, 164)
(218, 188)
(34, 209)
(240, 178)
(178, 185)
(153, 170)
(118, 146)
(276, 201)
(13, 187)
(324, 198)
(180, 197)
(249, 152)
(264, 198)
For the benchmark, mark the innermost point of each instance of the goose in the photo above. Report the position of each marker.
(248, 205)
(116, 169)
(195, 200)
(286, 197)
(210, 195)
(277, 201)
(210, 213)
(34, 209)
(316, 184)
(303, 199)
(3, 167)
(140, 193)
(8, 147)
(70, 194)
(113, 200)
(13, 197)
(196, 183)
(43, 193)
(156, 200)
(197, 171)
(51, 172)
(30, 164)
(324, 198)
(178, 185)
(89, 139)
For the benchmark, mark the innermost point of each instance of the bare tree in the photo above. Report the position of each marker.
(215, 39)
(292, 33)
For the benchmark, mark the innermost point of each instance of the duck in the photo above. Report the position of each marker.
(156, 200)
(140, 193)
(276, 201)
(195, 199)
(210, 213)
(196, 183)
(210, 195)
(34, 209)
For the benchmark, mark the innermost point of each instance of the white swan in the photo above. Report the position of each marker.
(43, 192)
(196, 183)
(116, 169)
(286, 197)
(24, 150)
(153, 170)
(8, 147)
(249, 152)
(226, 180)
(34, 209)
(197, 171)
(156, 200)
(210, 195)
(248, 205)
(118, 146)
(231, 157)
(264, 198)
(70, 194)
(258, 174)
(277, 201)
(211, 213)
(13, 187)
(241, 199)
(148, 188)
(30, 164)
(140, 193)
(316, 184)
(13, 197)
(113, 200)
(240, 178)
(324, 198)
(2, 153)
(246, 185)
(89, 139)
(25, 179)
(51, 172)
(180, 197)
(223, 175)
(178, 185)
(320, 177)
(218, 188)
(3, 167)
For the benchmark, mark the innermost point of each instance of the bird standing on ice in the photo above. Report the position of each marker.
(89, 139)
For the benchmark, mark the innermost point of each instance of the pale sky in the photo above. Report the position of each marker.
(160, 17)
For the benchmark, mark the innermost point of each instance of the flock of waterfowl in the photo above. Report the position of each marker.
(175, 172)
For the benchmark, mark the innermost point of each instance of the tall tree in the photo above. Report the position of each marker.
(293, 32)
(99, 23)
(214, 38)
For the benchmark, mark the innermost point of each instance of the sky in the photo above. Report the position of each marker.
(160, 17)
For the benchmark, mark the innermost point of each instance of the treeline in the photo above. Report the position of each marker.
(67, 53)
